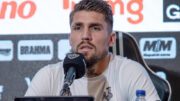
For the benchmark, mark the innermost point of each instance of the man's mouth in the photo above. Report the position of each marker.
(85, 47)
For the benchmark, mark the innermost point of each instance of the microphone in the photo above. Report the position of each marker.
(74, 67)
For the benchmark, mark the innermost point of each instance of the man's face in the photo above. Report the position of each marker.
(89, 35)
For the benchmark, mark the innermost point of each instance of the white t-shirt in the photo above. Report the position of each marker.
(120, 81)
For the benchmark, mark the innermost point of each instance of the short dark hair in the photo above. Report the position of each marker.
(99, 6)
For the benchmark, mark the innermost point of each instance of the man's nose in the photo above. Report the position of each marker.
(86, 35)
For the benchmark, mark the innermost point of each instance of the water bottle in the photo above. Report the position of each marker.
(140, 95)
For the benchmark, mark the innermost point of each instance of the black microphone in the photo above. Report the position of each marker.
(74, 67)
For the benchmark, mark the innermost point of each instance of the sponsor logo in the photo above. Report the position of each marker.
(63, 48)
(171, 11)
(73, 56)
(45, 49)
(6, 50)
(158, 48)
(134, 7)
(24, 9)
(29, 50)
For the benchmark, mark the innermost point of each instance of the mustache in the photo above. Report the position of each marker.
(85, 42)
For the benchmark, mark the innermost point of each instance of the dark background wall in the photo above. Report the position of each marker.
(16, 73)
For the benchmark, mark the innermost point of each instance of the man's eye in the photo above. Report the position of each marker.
(96, 28)
(77, 28)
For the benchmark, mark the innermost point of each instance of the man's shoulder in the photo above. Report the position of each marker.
(55, 67)
(118, 58)
(123, 60)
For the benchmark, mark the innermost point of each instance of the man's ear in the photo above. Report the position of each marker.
(112, 39)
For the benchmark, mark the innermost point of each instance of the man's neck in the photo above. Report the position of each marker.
(99, 67)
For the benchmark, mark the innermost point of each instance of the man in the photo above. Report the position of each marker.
(108, 77)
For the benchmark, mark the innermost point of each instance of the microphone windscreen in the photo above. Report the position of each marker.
(77, 61)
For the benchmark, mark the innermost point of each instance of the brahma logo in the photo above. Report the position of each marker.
(171, 10)
(134, 7)
(31, 50)
(6, 50)
(158, 48)
(25, 9)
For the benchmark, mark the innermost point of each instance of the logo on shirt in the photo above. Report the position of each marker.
(108, 94)
(6, 50)
(171, 11)
(29, 50)
(158, 48)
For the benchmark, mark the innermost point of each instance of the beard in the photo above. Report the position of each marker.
(93, 59)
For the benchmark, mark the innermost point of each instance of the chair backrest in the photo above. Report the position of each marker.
(126, 45)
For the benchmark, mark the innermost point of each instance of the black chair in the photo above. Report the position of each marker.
(126, 45)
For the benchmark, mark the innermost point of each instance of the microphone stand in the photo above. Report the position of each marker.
(65, 91)
(71, 74)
